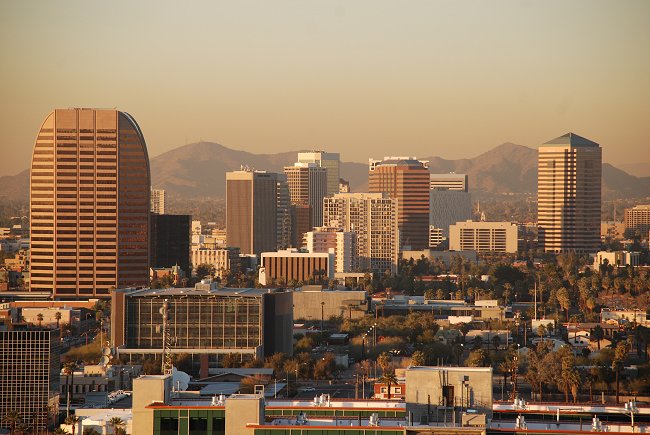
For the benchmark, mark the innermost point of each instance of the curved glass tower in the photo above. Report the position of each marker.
(89, 204)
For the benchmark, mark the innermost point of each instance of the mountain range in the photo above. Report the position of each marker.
(198, 170)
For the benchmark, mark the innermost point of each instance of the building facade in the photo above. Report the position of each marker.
(222, 260)
(251, 211)
(29, 375)
(450, 181)
(449, 206)
(324, 239)
(569, 194)
(637, 221)
(329, 161)
(158, 201)
(170, 241)
(372, 217)
(407, 180)
(205, 320)
(483, 237)
(89, 204)
(292, 265)
(308, 185)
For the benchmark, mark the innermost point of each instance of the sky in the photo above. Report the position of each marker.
(365, 78)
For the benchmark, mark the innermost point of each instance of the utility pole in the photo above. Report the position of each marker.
(167, 366)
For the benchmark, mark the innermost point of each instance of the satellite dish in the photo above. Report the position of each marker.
(180, 379)
(104, 360)
(107, 351)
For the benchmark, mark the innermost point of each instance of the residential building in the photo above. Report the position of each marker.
(372, 217)
(407, 180)
(483, 236)
(637, 220)
(223, 261)
(292, 265)
(329, 161)
(344, 186)
(29, 375)
(324, 239)
(205, 320)
(569, 194)
(251, 211)
(158, 201)
(170, 241)
(308, 186)
(450, 181)
(89, 204)
(617, 259)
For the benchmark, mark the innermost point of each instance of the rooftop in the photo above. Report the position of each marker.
(572, 139)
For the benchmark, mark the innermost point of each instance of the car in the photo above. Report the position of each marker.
(309, 389)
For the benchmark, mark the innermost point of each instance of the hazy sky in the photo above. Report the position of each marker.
(366, 78)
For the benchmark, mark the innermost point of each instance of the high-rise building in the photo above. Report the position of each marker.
(170, 241)
(322, 239)
(251, 211)
(89, 204)
(450, 202)
(284, 231)
(407, 180)
(450, 181)
(329, 161)
(308, 186)
(637, 221)
(29, 375)
(569, 194)
(372, 217)
(158, 201)
(483, 237)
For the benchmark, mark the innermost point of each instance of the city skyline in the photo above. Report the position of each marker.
(356, 79)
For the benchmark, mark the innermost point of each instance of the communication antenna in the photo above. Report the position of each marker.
(167, 366)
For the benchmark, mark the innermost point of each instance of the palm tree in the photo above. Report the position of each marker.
(12, 419)
(69, 369)
(90, 431)
(39, 317)
(60, 431)
(389, 379)
(72, 420)
(57, 316)
(117, 424)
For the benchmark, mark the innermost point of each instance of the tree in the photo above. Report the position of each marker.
(90, 431)
(389, 379)
(620, 355)
(72, 420)
(570, 376)
(230, 360)
(204, 270)
(418, 358)
(69, 369)
(564, 300)
(57, 316)
(12, 418)
(385, 361)
(541, 330)
(496, 342)
(597, 334)
(477, 358)
(39, 317)
(60, 431)
(117, 424)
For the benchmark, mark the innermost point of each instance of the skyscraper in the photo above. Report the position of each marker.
(89, 204)
(569, 194)
(170, 241)
(450, 201)
(407, 180)
(251, 211)
(329, 161)
(307, 186)
(372, 217)
(158, 201)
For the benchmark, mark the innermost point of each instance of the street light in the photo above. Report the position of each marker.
(630, 407)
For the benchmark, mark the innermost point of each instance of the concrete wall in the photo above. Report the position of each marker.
(146, 390)
(243, 409)
(307, 304)
(425, 392)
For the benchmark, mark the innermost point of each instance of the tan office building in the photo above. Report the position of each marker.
(329, 161)
(251, 211)
(89, 204)
(291, 265)
(637, 220)
(407, 180)
(483, 237)
(569, 194)
(308, 185)
(372, 217)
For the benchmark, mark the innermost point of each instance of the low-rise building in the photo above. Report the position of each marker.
(222, 260)
(483, 236)
(616, 259)
(324, 239)
(312, 302)
(292, 265)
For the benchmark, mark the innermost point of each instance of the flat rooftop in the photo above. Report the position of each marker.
(193, 292)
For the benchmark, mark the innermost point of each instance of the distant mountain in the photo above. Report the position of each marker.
(198, 170)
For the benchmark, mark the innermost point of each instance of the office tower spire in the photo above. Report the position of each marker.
(89, 204)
